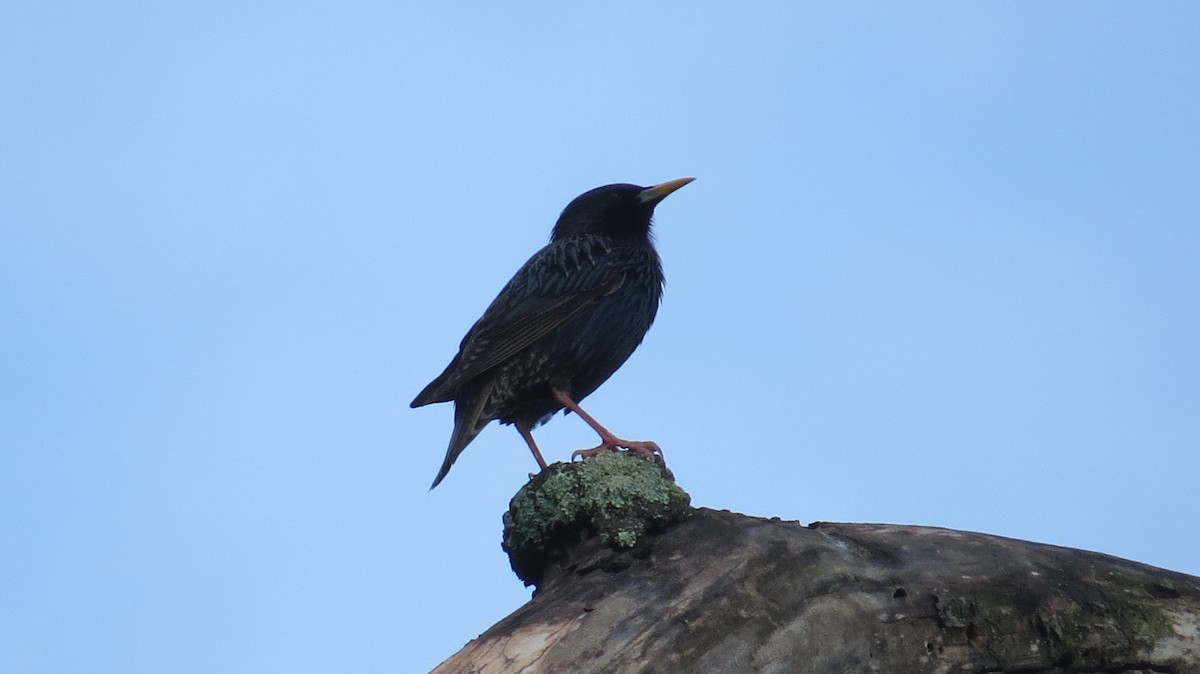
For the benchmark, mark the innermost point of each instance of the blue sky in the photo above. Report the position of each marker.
(939, 266)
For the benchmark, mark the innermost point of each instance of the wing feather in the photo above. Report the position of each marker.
(537, 301)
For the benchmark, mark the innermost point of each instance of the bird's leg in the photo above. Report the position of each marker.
(608, 441)
(527, 433)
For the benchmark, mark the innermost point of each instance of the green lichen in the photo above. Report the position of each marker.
(615, 496)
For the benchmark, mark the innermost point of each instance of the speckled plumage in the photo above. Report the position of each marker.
(563, 324)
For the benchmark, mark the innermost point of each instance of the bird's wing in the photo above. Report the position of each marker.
(503, 337)
(533, 304)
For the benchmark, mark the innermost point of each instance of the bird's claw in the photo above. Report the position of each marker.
(589, 453)
(644, 448)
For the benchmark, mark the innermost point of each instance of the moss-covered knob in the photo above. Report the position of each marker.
(615, 496)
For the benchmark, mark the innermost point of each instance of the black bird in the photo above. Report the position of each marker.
(562, 325)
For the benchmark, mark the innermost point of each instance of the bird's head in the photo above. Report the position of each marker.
(619, 210)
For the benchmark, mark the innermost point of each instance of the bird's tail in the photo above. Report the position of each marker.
(468, 422)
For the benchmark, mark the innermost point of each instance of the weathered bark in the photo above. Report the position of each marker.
(720, 592)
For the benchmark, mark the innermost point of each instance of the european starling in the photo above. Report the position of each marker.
(562, 325)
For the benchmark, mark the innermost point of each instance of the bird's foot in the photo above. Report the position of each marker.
(644, 448)
(589, 453)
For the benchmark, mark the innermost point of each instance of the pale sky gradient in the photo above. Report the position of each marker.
(939, 266)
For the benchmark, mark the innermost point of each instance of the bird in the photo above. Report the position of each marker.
(564, 323)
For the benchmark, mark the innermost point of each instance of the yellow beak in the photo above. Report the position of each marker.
(653, 195)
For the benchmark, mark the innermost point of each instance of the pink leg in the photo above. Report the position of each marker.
(526, 433)
(608, 441)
